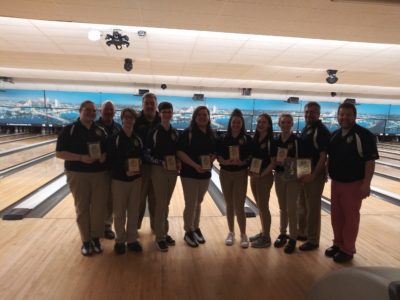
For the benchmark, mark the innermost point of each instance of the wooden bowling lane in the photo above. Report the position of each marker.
(20, 157)
(387, 170)
(65, 209)
(17, 144)
(10, 138)
(395, 156)
(18, 185)
(386, 184)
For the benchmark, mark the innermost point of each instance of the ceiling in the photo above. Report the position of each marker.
(274, 47)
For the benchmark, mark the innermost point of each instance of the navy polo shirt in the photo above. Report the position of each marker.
(264, 149)
(348, 154)
(120, 149)
(75, 138)
(160, 143)
(314, 139)
(143, 126)
(244, 141)
(111, 129)
(292, 144)
(195, 143)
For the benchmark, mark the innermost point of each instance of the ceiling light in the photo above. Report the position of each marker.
(117, 39)
(94, 35)
(331, 79)
(141, 33)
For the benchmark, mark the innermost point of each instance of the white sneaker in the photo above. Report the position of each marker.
(244, 241)
(230, 239)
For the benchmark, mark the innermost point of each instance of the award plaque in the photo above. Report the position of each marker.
(134, 165)
(170, 162)
(303, 167)
(255, 166)
(205, 161)
(290, 166)
(234, 152)
(94, 150)
(281, 154)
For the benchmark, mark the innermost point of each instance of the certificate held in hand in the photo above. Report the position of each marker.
(281, 154)
(170, 162)
(134, 165)
(205, 161)
(255, 166)
(94, 150)
(234, 152)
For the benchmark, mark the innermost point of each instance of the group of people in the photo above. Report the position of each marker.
(113, 170)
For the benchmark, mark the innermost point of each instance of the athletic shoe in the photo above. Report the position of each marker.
(199, 236)
(244, 241)
(261, 242)
(331, 251)
(230, 239)
(307, 246)
(86, 249)
(170, 241)
(96, 246)
(162, 246)
(109, 234)
(255, 237)
(190, 239)
(281, 240)
(342, 257)
(119, 248)
(290, 246)
(135, 247)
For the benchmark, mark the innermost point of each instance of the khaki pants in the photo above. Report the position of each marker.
(309, 208)
(109, 205)
(261, 188)
(164, 184)
(146, 193)
(126, 195)
(234, 188)
(89, 191)
(193, 192)
(287, 193)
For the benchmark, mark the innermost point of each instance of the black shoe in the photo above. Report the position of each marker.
(86, 249)
(162, 246)
(290, 247)
(190, 239)
(119, 248)
(96, 246)
(109, 234)
(170, 241)
(342, 257)
(135, 247)
(302, 238)
(307, 246)
(199, 236)
(331, 251)
(280, 240)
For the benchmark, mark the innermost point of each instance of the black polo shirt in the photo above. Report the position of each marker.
(348, 154)
(160, 143)
(75, 138)
(143, 126)
(292, 144)
(314, 139)
(264, 149)
(195, 143)
(244, 141)
(120, 149)
(111, 129)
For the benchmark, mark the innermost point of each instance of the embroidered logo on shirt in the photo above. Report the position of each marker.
(349, 139)
(98, 132)
(241, 141)
(173, 137)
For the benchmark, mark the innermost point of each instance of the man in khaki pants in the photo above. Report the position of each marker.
(314, 142)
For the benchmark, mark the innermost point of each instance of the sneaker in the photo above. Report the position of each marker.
(342, 257)
(86, 249)
(331, 251)
(261, 242)
(96, 246)
(190, 239)
(119, 248)
(290, 246)
(307, 246)
(230, 239)
(199, 236)
(280, 240)
(109, 234)
(135, 247)
(302, 238)
(170, 241)
(244, 241)
(255, 237)
(162, 246)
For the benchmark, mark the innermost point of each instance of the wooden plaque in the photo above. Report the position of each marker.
(205, 162)
(281, 155)
(303, 167)
(94, 150)
(255, 166)
(234, 152)
(134, 165)
(170, 162)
